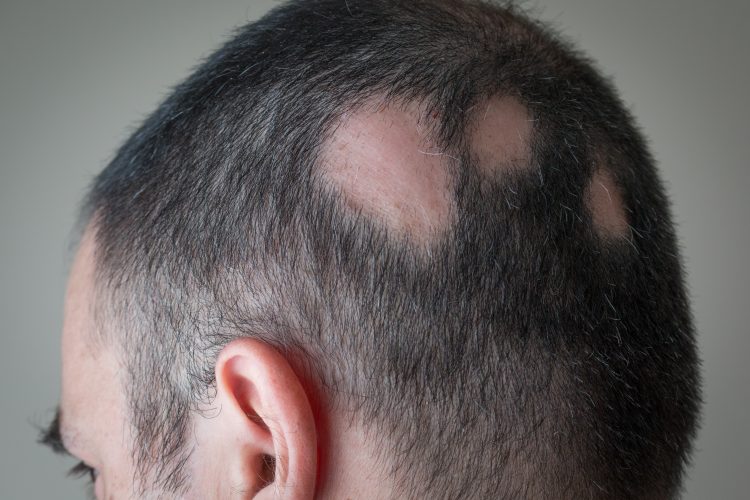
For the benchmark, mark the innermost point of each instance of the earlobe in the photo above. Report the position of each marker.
(273, 435)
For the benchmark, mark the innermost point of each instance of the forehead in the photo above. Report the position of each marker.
(92, 397)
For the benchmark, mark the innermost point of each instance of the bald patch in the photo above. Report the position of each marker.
(499, 134)
(606, 205)
(383, 161)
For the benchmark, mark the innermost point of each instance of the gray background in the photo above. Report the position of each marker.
(77, 75)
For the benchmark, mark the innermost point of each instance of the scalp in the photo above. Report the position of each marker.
(499, 134)
(217, 180)
(605, 204)
(385, 163)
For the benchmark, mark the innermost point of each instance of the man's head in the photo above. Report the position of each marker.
(382, 249)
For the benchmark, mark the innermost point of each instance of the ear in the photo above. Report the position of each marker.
(265, 427)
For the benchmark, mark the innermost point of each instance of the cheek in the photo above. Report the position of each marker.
(116, 478)
(102, 408)
(100, 488)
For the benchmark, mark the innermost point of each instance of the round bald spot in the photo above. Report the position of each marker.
(499, 134)
(605, 204)
(384, 163)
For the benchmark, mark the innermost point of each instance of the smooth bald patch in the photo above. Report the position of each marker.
(605, 203)
(382, 159)
(499, 134)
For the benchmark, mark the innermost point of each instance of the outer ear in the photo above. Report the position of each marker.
(265, 427)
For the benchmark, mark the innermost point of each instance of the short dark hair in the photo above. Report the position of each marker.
(524, 355)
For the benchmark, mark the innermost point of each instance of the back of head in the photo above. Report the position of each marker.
(445, 215)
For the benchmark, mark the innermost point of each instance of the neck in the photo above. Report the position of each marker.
(348, 465)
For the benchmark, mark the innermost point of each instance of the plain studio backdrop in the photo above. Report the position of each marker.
(76, 76)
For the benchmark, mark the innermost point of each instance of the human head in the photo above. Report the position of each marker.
(434, 222)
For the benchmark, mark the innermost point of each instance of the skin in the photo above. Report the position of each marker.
(385, 163)
(499, 134)
(92, 407)
(267, 434)
(605, 202)
(270, 433)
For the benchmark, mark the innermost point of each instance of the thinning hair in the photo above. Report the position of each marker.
(519, 353)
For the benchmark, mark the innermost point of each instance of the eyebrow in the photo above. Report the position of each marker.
(52, 437)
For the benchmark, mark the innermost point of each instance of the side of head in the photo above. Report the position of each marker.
(433, 221)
